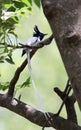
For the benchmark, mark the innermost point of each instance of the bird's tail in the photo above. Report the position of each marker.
(39, 100)
(29, 64)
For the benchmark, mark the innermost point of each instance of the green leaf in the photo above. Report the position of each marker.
(6, 1)
(11, 9)
(26, 83)
(1, 57)
(6, 49)
(10, 54)
(11, 32)
(1, 61)
(15, 18)
(30, 1)
(29, 8)
(1, 33)
(37, 2)
(19, 97)
(19, 5)
(4, 86)
(12, 21)
(9, 60)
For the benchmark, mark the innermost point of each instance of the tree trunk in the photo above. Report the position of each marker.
(64, 17)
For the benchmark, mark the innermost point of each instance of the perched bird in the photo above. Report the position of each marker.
(37, 37)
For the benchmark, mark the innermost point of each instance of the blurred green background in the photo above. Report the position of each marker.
(48, 72)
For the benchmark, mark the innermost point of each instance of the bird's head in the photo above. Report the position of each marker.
(37, 33)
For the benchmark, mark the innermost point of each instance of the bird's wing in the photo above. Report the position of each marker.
(33, 41)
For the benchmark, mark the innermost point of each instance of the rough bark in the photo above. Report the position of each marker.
(64, 17)
(35, 116)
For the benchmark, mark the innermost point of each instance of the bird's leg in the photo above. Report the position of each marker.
(66, 93)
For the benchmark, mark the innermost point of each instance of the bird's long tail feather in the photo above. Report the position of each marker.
(39, 100)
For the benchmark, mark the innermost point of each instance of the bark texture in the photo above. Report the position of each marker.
(35, 116)
(64, 17)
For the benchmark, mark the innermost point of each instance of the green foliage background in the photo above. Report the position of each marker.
(47, 66)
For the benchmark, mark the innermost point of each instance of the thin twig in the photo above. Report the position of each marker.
(68, 91)
(69, 103)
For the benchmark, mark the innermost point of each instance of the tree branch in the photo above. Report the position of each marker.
(39, 44)
(35, 116)
(23, 65)
(69, 104)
